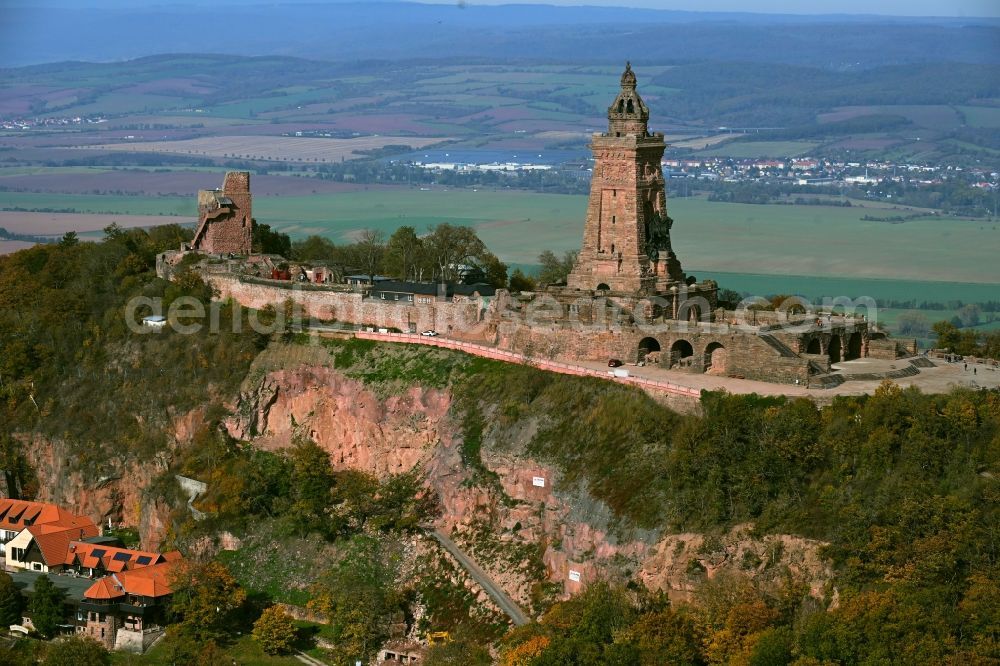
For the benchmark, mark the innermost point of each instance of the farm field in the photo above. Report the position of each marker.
(816, 288)
(737, 238)
(740, 149)
(271, 148)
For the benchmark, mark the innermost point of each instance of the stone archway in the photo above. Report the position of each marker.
(814, 347)
(833, 349)
(681, 354)
(603, 287)
(853, 347)
(649, 350)
(716, 359)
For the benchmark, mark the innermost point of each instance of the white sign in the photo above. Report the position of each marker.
(574, 576)
(538, 481)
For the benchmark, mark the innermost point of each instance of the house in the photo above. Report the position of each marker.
(96, 559)
(402, 652)
(125, 610)
(427, 292)
(364, 280)
(15, 515)
(43, 548)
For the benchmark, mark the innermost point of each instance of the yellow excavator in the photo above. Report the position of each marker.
(438, 637)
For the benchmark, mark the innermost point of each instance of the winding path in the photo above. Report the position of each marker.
(505, 603)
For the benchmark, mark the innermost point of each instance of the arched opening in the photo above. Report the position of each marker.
(630, 108)
(854, 346)
(649, 350)
(814, 347)
(694, 314)
(621, 106)
(603, 287)
(716, 359)
(834, 350)
(681, 354)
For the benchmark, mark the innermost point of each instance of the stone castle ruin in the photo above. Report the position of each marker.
(225, 217)
(626, 298)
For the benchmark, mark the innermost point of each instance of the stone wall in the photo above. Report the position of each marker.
(461, 317)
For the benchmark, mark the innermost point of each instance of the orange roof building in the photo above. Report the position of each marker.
(101, 558)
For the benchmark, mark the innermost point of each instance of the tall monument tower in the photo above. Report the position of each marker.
(626, 239)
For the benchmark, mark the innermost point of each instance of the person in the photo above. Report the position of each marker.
(966, 366)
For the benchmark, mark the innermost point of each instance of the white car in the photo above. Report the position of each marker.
(430, 333)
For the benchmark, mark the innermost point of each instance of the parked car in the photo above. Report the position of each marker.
(430, 333)
(615, 363)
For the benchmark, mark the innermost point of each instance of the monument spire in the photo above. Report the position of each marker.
(626, 239)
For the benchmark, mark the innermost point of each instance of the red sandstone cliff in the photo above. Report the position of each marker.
(500, 526)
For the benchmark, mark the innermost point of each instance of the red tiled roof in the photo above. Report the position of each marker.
(105, 588)
(15, 513)
(53, 539)
(111, 558)
(152, 581)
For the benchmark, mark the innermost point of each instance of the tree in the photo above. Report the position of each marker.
(555, 270)
(449, 247)
(402, 254)
(76, 651)
(205, 598)
(521, 282)
(495, 270)
(275, 631)
(312, 483)
(69, 239)
(11, 601)
(314, 248)
(371, 247)
(266, 241)
(47, 606)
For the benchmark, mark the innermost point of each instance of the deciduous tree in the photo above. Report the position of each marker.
(275, 631)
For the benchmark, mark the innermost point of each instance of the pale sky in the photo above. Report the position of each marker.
(884, 7)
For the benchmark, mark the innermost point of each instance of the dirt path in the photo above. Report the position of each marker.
(505, 603)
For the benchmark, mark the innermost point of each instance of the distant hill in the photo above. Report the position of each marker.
(107, 31)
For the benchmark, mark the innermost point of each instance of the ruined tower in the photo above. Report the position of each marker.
(626, 239)
(225, 217)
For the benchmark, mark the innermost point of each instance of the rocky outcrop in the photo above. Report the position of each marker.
(118, 494)
(359, 430)
(505, 523)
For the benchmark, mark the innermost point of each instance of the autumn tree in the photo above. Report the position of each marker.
(275, 631)
(76, 651)
(205, 598)
(47, 606)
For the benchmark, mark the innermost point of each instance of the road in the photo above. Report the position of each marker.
(505, 603)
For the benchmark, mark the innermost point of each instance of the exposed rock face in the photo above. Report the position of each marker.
(119, 495)
(395, 434)
(344, 417)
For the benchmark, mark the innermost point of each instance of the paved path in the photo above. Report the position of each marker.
(938, 379)
(306, 659)
(495, 353)
(505, 603)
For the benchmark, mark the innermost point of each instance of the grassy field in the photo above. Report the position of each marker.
(275, 148)
(737, 238)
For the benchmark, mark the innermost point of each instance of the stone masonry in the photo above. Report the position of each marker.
(225, 217)
(626, 238)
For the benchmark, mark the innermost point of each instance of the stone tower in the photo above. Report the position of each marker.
(626, 239)
(225, 217)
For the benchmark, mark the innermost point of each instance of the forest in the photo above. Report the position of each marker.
(900, 485)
